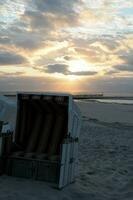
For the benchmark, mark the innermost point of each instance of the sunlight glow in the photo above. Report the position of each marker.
(64, 77)
(79, 65)
(72, 77)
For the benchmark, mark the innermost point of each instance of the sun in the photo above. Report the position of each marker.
(78, 65)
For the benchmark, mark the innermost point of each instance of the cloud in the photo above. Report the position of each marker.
(111, 72)
(48, 15)
(51, 33)
(10, 58)
(56, 6)
(91, 54)
(4, 40)
(83, 73)
(2, 2)
(127, 57)
(57, 68)
(22, 38)
(64, 69)
(68, 57)
(39, 23)
(123, 67)
(38, 20)
(35, 83)
(28, 41)
(11, 74)
(109, 85)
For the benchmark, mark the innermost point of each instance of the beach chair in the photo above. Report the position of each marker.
(45, 143)
(5, 144)
(1, 163)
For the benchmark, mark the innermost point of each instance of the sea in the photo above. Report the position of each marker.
(118, 101)
(125, 100)
(113, 101)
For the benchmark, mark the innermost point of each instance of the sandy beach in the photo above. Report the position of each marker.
(105, 170)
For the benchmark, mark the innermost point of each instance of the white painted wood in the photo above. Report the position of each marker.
(71, 164)
(0, 146)
(66, 173)
(62, 167)
(75, 159)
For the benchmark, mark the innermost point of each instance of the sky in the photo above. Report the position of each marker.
(67, 45)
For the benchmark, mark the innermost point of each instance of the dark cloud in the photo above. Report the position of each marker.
(57, 68)
(108, 85)
(124, 67)
(118, 86)
(28, 42)
(8, 58)
(5, 40)
(111, 72)
(38, 20)
(83, 73)
(127, 57)
(22, 35)
(22, 38)
(53, 13)
(26, 83)
(63, 69)
(11, 74)
(110, 42)
(50, 15)
(57, 6)
(67, 57)
(19, 36)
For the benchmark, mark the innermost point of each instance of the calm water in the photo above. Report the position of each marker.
(119, 101)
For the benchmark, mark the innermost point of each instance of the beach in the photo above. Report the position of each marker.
(105, 160)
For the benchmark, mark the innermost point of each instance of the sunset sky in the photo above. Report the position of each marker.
(66, 45)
